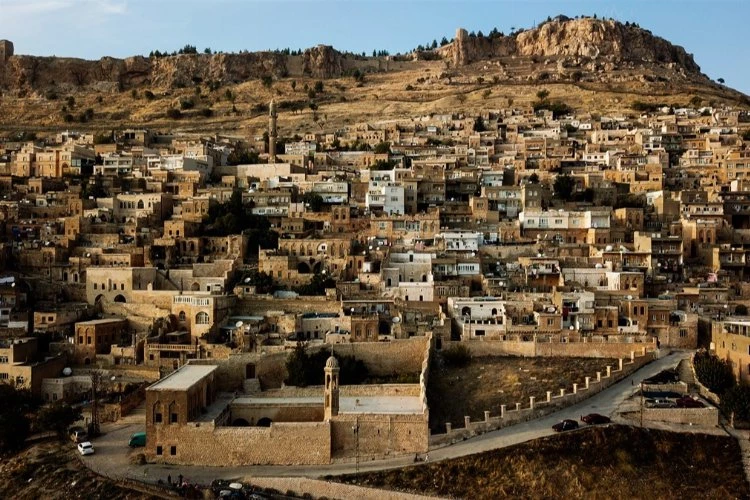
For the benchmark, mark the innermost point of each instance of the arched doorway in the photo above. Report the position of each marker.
(264, 422)
(120, 298)
(250, 370)
(240, 422)
(303, 268)
(466, 311)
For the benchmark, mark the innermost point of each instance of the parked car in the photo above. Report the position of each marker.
(78, 434)
(660, 403)
(595, 419)
(565, 425)
(689, 402)
(137, 439)
(86, 448)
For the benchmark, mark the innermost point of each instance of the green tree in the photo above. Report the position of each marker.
(737, 401)
(534, 178)
(382, 148)
(297, 365)
(313, 200)
(716, 374)
(542, 95)
(721, 81)
(318, 86)
(564, 186)
(57, 417)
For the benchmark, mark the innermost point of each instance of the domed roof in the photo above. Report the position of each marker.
(332, 362)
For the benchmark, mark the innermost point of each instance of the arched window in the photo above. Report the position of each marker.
(181, 316)
(140, 203)
(201, 318)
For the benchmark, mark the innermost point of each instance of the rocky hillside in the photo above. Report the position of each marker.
(574, 40)
(594, 65)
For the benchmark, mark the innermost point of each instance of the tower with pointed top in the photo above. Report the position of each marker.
(272, 132)
(331, 397)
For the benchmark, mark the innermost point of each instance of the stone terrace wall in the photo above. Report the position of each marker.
(708, 417)
(344, 391)
(677, 388)
(334, 491)
(529, 410)
(388, 358)
(283, 443)
(259, 304)
(586, 349)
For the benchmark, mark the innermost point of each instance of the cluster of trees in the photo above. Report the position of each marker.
(558, 108)
(21, 414)
(305, 369)
(717, 375)
(234, 217)
(317, 285)
(380, 53)
(187, 49)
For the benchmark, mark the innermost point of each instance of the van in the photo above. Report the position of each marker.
(137, 439)
(78, 434)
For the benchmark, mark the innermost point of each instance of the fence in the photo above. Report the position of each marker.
(536, 409)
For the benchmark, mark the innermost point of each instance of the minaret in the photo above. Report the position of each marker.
(331, 398)
(272, 132)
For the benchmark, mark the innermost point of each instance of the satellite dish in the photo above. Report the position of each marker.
(396, 320)
(67, 371)
(239, 324)
(608, 248)
(629, 297)
(247, 280)
(598, 266)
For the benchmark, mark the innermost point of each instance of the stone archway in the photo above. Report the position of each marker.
(120, 298)
(240, 422)
(264, 422)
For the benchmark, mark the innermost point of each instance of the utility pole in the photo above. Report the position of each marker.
(96, 385)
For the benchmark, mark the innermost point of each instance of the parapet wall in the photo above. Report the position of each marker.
(532, 409)
(531, 348)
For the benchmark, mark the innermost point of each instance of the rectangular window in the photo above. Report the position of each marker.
(158, 450)
(173, 418)
(3, 376)
(157, 418)
(173, 450)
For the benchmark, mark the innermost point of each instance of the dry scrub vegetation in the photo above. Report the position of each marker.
(614, 462)
(488, 382)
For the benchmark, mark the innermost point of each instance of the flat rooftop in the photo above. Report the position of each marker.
(393, 405)
(184, 378)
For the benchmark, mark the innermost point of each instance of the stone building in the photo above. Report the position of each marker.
(97, 337)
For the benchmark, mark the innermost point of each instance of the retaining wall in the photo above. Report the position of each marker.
(531, 348)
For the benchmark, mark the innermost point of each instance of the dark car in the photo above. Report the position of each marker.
(659, 403)
(689, 402)
(595, 419)
(565, 425)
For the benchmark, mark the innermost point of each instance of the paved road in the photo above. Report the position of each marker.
(111, 456)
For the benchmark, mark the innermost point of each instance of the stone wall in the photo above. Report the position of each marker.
(259, 304)
(388, 358)
(281, 443)
(290, 412)
(344, 391)
(587, 349)
(378, 436)
(707, 417)
(335, 491)
(529, 410)
(677, 387)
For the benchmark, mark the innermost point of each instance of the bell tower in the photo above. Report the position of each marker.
(272, 132)
(331, 397)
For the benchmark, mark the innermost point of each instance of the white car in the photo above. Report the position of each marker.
(86, 448)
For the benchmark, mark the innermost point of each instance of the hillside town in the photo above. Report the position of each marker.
(181, 276)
